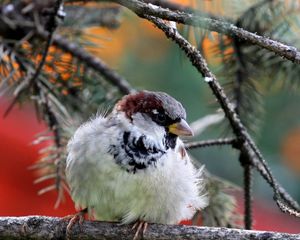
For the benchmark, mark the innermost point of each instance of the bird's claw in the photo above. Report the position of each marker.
(139, 225)
(78, 217)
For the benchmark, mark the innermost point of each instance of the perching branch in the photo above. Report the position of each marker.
(40, 227)
(289, 52)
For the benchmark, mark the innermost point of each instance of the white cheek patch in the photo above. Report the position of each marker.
(143, 125)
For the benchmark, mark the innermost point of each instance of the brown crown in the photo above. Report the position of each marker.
(143, 102)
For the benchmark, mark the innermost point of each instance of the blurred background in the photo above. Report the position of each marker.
(149, 61)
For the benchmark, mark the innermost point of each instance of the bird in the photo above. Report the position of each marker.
(131, 166)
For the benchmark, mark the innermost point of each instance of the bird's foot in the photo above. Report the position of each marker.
(140, 227)
(78, 217)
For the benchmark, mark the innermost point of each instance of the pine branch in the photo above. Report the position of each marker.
(20, 22)
(91, 61)
(252, 10)
(242, 72)
(40, 227)
(52, 24)
(289, 52)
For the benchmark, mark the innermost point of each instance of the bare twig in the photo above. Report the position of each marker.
(40, 227)
(289, 52)
(177, 7)
(209, 143)
(246, 164)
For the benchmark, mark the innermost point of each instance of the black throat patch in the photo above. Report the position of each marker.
(133, 154)
(170, 140)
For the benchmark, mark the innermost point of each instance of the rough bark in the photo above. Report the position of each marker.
(41, 227)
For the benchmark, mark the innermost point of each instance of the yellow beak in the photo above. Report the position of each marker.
(181, 128)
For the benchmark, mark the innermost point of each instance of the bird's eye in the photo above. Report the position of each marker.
(159, 117)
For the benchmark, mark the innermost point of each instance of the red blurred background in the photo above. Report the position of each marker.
(19, 194)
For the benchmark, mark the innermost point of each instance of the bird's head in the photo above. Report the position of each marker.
(151, 111)
(148, 125)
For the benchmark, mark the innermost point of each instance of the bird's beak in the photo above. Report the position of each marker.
(181, 128)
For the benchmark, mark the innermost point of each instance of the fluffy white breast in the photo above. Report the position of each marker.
(166, 193)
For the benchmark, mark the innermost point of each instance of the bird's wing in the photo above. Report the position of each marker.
(87, 157)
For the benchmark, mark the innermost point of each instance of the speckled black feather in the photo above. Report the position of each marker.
(133, 155)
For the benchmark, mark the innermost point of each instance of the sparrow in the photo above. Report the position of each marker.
(131, 166)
